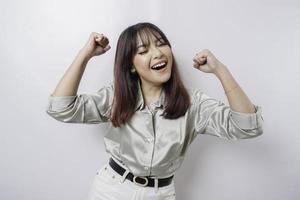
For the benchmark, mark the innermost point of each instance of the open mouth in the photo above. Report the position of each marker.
(159, 66)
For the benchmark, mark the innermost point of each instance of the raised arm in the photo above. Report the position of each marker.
(68, 85)
(241, 120)
(238, 100)
(65, 105)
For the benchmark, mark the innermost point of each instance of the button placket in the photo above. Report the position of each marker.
(148, 154)
(149, 140)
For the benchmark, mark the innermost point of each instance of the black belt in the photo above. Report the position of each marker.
(140, 180)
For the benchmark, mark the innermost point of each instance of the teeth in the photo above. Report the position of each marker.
(159, 65)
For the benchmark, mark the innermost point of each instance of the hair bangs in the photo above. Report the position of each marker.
(143, 37)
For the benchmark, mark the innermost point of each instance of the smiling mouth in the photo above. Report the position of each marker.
(159, 66)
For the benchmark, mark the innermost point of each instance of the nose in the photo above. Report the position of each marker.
(157, 53)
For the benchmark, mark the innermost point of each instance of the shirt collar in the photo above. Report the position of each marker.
(141, 103)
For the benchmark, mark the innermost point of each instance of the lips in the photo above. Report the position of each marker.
(159, 64)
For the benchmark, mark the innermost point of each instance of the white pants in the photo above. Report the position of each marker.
(109, 185)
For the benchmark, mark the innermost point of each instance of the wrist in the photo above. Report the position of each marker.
(84, 55)
(221, 70)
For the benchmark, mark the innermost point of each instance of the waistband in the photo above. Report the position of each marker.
(145, 181)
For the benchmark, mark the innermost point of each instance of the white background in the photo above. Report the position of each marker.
(41, 158)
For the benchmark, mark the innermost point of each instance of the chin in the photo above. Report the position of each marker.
(166, 78)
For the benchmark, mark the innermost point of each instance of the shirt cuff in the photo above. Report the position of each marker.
(57, 103)
(248, 121)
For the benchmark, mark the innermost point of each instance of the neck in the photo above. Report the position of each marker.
(151, 92)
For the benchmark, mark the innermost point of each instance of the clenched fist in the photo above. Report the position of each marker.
(205, 61)
(96, 45)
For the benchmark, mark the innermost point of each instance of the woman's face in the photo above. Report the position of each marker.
(153, 62)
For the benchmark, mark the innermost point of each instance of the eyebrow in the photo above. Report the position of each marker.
(157, 39)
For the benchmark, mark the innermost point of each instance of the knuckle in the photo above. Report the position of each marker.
(95, 34)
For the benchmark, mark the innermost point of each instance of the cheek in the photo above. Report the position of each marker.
(171, 60)
(141, 63)
(169, 54)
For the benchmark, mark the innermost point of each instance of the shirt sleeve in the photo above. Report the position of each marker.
(82, 108)
(213, 117)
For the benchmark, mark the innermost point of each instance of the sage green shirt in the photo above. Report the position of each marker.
(148, 144)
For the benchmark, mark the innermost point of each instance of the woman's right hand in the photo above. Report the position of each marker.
(96, 45)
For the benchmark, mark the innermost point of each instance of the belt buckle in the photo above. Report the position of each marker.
(146, 181)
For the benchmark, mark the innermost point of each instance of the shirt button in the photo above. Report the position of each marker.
(148, 140)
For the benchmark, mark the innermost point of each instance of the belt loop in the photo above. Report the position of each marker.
(124, 176)
(156, 184)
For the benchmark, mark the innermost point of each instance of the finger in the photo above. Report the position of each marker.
(205, 52)
(103, 42)
(196, 65)
(201, 60)
(98, 38)
(97, 35)
(202, 54)
(196, 61)
(100, 42)
(107, 48)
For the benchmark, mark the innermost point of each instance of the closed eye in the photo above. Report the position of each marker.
(161, 43)
(142, 52)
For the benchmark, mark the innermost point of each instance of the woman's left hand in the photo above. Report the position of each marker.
(206, 62)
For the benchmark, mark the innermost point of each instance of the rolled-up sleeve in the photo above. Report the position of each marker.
(213, 117)
(82, 108)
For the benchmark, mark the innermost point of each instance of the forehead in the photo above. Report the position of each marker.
(147, 36)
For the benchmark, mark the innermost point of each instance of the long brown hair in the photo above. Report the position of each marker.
(125, 83)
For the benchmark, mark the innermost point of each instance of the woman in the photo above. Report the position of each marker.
(152, 117)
